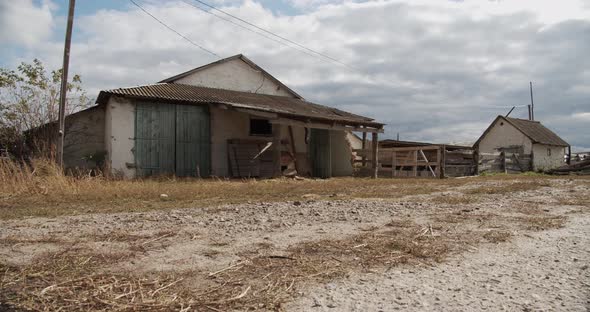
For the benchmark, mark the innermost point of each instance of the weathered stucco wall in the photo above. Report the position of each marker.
(503, 134)
(119, 136)
(84, 138)
(547, 157)
(234, 75)
(341, 154)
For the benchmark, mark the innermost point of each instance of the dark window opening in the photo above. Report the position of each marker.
(260, 127)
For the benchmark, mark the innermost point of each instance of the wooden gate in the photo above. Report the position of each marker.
(172, 139)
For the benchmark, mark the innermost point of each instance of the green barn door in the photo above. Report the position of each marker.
(320, 151)
(154, 139)
(193, 147)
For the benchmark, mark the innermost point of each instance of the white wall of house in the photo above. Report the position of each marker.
(234, 75)
(341, 154)
(547, 157)
(503, 134)
(119, 135)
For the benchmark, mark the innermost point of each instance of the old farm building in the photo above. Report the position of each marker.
(229, 118)
(525, 145)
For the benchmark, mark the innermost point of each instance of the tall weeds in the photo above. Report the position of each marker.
(40, 176)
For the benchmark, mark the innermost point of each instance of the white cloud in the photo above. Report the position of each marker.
(432, 70)
(24, 23)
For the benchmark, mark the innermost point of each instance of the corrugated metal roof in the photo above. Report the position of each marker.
(281, 105)
(537, 132)
(534, 130)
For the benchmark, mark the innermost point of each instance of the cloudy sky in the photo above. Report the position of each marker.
(432, 70)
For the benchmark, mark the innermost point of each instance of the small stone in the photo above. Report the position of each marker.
(296, 203)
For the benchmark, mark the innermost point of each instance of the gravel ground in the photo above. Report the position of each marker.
(533, 271)
(545, 271)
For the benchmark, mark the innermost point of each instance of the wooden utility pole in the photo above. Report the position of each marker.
(64, 86)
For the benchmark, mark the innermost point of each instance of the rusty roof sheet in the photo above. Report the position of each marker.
(537, 132)
(281, 105)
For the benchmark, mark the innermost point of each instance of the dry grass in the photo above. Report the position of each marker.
(41, 190)
(78, 280)
(506, 188)
(455, 199)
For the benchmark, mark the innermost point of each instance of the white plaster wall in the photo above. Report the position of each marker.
(228, 124)
(543, 161)
(341, 154)
(119, 136)
(234, 75)
(503, 134)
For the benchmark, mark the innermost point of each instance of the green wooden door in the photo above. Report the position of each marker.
(154, 139)
(193, 148)
(320, 151)
(172, 139)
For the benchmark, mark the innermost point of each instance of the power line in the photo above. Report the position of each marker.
(278, 36)
(173, 30)
(246, 28)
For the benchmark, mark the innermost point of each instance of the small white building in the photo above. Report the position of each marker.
(229, 118)
(524, 137)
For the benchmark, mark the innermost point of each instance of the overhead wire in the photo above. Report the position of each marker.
(176, 32)
(265, 36)
(244, 27)
(276, 35)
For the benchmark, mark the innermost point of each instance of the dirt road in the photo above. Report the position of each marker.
(480, 245)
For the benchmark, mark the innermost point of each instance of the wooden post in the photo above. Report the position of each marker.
(276, 141)
(375, 155)
(393, 163)
(293, 149)
(440, 162)
(503, 155)
(364, 147)
(476, 161)
(569, 155)
(415, 169)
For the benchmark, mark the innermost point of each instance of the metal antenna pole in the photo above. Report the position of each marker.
(532, 103)
(64, 86)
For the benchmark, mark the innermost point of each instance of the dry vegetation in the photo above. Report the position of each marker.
(40, 190)
(264, 277)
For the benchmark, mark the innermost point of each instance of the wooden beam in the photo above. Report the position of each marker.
(257, 113)
(364, 146)
(375, 155)
(316, 125)
(276, 141)
(293, 149)
(413, 148)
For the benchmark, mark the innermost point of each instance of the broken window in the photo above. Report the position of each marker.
(260, 127)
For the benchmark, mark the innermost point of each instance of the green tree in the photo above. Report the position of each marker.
(29, 98)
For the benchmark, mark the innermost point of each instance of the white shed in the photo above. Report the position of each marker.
(528, 137)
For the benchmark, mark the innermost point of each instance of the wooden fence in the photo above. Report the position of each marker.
(504, 162)
(430, 161)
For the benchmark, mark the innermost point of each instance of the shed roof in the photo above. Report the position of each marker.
(281, 105)
(533, 129)
(231, 58)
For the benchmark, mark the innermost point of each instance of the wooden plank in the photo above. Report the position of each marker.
(364, 146)
(317, 125)
(415, 167)
(276, 146)
(411, 149)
